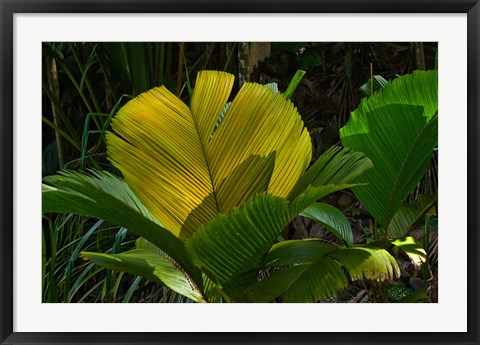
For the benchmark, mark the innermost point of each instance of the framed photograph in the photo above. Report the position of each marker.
(194, 172)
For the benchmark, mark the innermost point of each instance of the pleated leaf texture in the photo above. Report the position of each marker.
(187, 165)
(397, 128)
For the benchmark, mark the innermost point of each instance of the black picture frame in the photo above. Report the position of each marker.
(9, 7)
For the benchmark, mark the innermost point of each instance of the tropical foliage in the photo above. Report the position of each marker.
(203, 193)
(398, 129)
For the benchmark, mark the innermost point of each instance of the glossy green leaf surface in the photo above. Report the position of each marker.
(332, 219)
(408, 245)
(378, 83)
(310, 270)
(210, 197)
(150, 265)
(307, 282)
(104, 196)
(235, 242)
(336, 166)
(363, 262)
(408, 214)
(397, 128)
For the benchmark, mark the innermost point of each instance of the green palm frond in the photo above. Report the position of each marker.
(209, 196)
(152, 266)
(419, 88)
(148, 261)
(397, 128)
(235, 242)
(408, 245)
(189, 172)
(332, 219)
(104, 196)
(310, 270)
(408, 214)
(374, 85)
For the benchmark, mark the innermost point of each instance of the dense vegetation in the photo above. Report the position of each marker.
(210, 188)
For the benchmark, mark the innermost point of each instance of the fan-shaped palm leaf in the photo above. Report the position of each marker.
(397, 128)
(310, 270)
(409, 214)
(189, 176)
(149, 261)
(225, 188)
(233, 243)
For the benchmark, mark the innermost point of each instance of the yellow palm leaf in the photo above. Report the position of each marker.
(184, 172)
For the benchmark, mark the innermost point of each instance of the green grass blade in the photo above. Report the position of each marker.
(84, 79)
(131, 290)
(138, 65)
